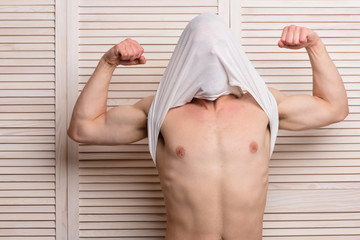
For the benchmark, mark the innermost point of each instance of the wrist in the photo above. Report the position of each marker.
(106, 65)
(316, 46)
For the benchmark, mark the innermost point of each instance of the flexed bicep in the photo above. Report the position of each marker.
(301, 112)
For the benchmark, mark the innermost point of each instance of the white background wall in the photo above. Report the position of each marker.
(52, 188)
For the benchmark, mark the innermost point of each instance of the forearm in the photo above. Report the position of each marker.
(92, 101)
(327, 82)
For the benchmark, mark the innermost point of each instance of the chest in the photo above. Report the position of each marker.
(238, 127)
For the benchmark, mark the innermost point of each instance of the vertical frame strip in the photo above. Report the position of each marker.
(235, 18)
(224, 10)
(72, 81)
(60, 120)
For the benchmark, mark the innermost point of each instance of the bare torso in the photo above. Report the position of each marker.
(213, 161)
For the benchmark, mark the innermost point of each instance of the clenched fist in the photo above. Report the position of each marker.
(295, 37)
(127, 52)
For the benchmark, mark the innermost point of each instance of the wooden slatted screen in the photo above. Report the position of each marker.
(314, 175)
(27, 120)
(119, 190)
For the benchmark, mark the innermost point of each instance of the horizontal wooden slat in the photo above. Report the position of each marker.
(26, 185)
(27, 178)
(27, 77)
(315, 162)
(32, 23)
(122, 218)
(315, 155)
(120, 194)
(314, 170)
(27, 224)
(96, 156)
(17, 70)
(267, 9)
(123, 186)
(119, 179)
(312, 231)
(122, 210)
(27, 93)
(321, 33)
(27, 217)
(316, 216)
(27, 9)
(27, 132)
(126, 238)
(313, 178)
(27, 123)
(27, 2)
(291, 201)
(122, 225)
(328, 237)
(27, 62)
(27, 147)
(9, 201)
(124, 148)
(314, 185)
(27, 85)
(24, 32)
(27, 139)
(110, 164)
(126, 9)
(137, 17)
(131, 33)
(351, 18)
(319, 148)
(27, 170)
(25, 55)
(122, 233)
(27, 162)
(145, 3)
(26, 40)
(328, 41)
(22, 232)
(26, 47)
(297, 3)
(26, 16)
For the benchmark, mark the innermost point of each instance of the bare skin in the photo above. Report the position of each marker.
(212, 156)
(225, 163)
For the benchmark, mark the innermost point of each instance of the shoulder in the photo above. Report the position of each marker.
(278, 95)
(144, 104)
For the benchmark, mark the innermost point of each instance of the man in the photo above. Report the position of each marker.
(212, 155)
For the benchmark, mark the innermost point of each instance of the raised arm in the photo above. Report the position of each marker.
(91, 122)
(329, 102)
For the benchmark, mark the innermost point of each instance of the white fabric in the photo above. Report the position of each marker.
(207, 63)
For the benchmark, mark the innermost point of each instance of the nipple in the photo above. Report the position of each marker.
(180, 152)
(253, 147)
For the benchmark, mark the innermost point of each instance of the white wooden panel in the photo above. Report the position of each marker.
(313, 174)
(27, 122)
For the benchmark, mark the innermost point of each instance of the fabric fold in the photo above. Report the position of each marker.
(208, 63)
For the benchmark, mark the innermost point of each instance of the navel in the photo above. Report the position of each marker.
(180, 152)
(253, 147)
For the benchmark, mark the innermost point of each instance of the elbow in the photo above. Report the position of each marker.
(76, 133)
(341, 112)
